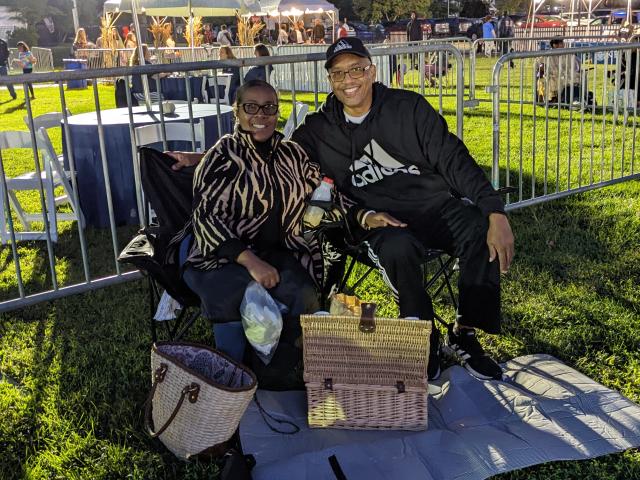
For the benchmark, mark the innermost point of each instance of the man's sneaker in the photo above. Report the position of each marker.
(433, 368)
(465, 347)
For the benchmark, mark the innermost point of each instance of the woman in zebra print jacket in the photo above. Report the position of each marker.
(249, 199)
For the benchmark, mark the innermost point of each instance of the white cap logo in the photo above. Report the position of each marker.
(342, 45)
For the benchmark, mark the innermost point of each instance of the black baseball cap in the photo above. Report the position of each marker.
(352, 45)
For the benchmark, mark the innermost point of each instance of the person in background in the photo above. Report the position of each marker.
(505, 30)
(81, 43)
(488, 34)
(629, 75)
(283, 34)
(560, 75)
(297, 34)
(414, 34)
(225, 53)
(344, 29)
(207, 35)
(224, 37)
(26, 61)
(304, 30)
(4, 66)
(318, 33)
(414, 29)
(259, 72)
(130, 41)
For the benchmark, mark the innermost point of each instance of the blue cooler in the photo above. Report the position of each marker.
(75, 64)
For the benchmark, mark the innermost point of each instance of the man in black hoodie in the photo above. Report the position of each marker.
(392, 154)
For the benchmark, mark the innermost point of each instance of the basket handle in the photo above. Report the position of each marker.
(191, 390)
(367, 318)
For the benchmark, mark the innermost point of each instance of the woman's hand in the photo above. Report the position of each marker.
(185, 159)
(382, 219)
(260, 271)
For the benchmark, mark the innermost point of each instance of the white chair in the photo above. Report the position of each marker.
(174, 131)
(45, 122)
(300, 111)
(51, 178)
(224, 80)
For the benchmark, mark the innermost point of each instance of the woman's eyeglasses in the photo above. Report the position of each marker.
(267, 108)
(355, 72)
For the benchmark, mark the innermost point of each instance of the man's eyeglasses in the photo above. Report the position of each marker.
(354, 72)
(267, 108)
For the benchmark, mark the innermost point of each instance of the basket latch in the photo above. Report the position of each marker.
(367, 318)
(328, 384)
(400, 386)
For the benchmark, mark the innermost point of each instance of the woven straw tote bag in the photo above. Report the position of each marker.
(197, 399)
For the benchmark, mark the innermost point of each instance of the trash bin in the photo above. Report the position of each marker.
(75, 64)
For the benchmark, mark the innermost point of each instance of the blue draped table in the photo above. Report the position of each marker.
(85, 144)
(175, 88)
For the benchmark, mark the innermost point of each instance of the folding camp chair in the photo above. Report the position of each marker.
(439, 267)
(169, 193)
(348, 252)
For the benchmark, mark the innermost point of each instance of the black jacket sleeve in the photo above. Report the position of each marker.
(446, 153)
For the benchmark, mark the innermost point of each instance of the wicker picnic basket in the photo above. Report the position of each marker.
(197, 399)
(366, 373)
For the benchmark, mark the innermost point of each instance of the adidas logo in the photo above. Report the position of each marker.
(342, 45)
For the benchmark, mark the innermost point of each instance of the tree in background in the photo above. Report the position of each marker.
(35, 13)
(474, 9)
(345, 7)
(513, 6)
(378, 10)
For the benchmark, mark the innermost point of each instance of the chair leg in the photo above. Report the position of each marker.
(13, 200)
(179, 333)
(153, 300)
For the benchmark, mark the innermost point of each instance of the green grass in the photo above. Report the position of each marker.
(74, 373)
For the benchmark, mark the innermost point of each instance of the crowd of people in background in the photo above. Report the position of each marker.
(271, 31)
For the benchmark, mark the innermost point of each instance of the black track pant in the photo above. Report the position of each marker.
(459, 229)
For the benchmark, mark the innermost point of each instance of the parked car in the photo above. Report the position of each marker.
(545, 21)
(450, 27)
(368, 33)
(400, 25)
(577, 19)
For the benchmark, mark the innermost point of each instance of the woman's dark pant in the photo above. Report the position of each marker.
(459, 229)
(221, 290)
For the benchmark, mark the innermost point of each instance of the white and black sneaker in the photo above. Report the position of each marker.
(464, 346)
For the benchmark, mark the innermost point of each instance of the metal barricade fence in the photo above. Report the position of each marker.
(101, 161)
(565, 121)
(44, 59)
(484, 54)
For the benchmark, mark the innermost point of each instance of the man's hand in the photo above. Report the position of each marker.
(184, 159)
(260, 271)
(500, 241)
(382, 219)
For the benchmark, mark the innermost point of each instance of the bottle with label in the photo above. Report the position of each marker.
(313, 214)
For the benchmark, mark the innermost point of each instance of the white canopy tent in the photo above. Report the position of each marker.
(176, 8)
(293, 9)
(182, 8)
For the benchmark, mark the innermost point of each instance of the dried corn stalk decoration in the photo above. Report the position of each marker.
(247, 32)
(197, 31)
(110, 38)
(160, 30)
